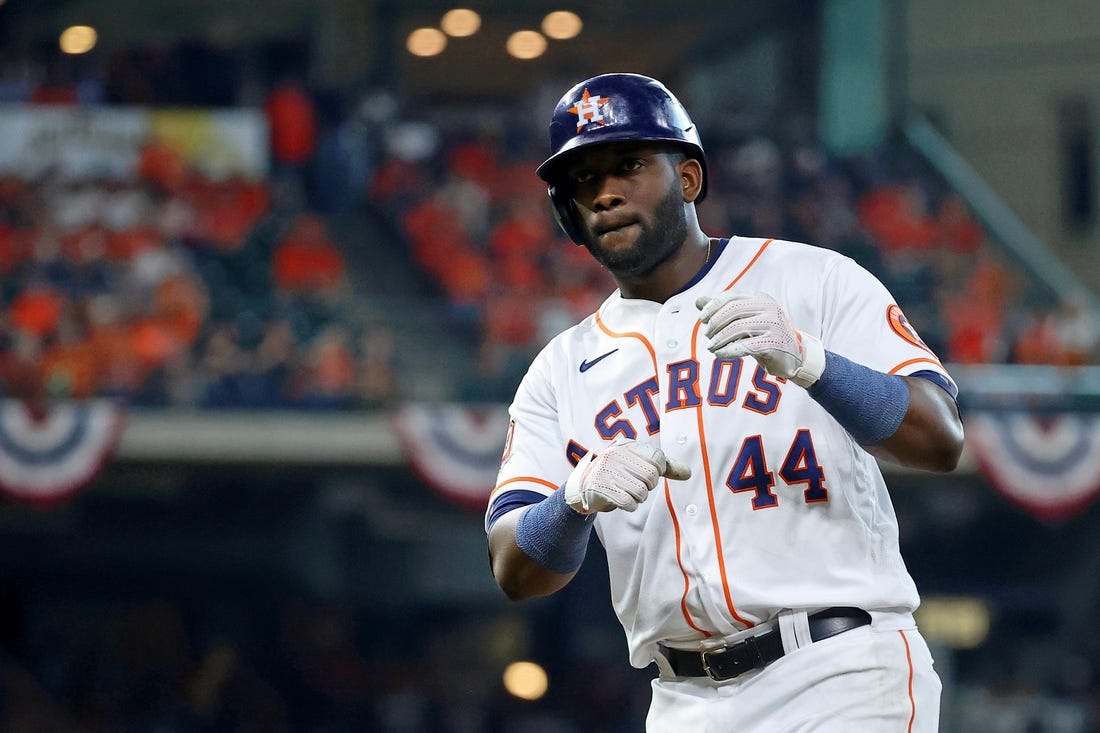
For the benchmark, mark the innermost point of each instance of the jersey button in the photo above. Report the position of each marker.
(691, 510)
(681, 439)
(673, 343)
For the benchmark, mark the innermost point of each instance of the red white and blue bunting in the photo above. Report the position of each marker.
(1049, 465)
(455, 449)
(47, 455)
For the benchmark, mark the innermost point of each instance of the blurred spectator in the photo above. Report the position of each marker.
(226, 212)
(376, 382)
(20, 356)
(306, 261)
(344, 162)
(896, 215)
(276, 357)
(1078, 331)
(292, 119)
(1066, 335)
(37, 310)
(398, 181)
(956, 229)
(162, 166)
(328, 378)
(221, 365)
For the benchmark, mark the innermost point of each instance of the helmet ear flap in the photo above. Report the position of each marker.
(563, 212)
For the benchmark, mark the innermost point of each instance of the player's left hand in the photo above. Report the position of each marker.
(755, 325)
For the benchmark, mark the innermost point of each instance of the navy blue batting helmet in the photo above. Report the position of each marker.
(613, 108)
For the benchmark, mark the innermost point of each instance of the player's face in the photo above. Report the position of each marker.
(630, 202)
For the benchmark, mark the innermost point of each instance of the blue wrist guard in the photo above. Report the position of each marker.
(553, 535)
(868, 404)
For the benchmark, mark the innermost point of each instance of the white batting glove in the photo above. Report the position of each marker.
(755, 325)
(619, 478)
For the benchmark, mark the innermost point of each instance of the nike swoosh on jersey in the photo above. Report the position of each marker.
(586, 365)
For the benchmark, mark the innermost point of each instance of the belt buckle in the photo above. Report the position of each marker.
(719, 674)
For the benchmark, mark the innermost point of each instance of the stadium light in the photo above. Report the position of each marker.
(426, 42)
(77, 39)
(562, 25)
(460, 22)
(526, 44)
(525, 680)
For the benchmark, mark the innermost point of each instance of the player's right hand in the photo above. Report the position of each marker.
(619, 478)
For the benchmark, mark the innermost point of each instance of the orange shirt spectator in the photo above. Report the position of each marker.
(180, 304)
(466, 276)
(895, 216)
(396, 177)
(426, 220)
(162, 165)
(292, 117)
(152, 343)
(1039, 343)
(226, 213)
(956, 228)
(123, 245)
(520, 272)
(37, 311)
(975, 325)
(520, 235)
(118, 370)
(306, 260)
(473, 161)
(70, 370)
(332, 364)
(15, 247)
(510, 320)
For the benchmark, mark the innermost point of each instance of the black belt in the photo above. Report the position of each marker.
(755, 652)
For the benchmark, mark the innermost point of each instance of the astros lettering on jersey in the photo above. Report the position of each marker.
(783, 509)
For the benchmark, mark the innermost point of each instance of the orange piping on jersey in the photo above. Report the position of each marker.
(752, 262)
(707, 478)
(918, 360)
(679, 560)
(525, 479)
(909, 661)
(630, 334)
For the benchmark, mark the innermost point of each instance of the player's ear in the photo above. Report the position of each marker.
(691, 178)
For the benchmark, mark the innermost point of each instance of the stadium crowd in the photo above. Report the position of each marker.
(176, 289)
(477, 221)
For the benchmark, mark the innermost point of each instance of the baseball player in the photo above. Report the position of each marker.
(716, 422)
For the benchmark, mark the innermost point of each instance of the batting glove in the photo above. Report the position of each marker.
(619, 478)
(755, 325)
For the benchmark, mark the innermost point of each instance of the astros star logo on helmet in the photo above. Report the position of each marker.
(587, 109)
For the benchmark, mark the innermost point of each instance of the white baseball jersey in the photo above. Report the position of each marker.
(783, 508)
